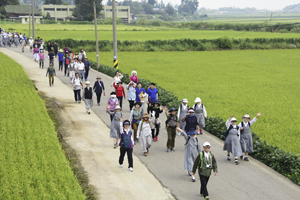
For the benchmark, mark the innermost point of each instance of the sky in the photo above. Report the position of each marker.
(260, 4)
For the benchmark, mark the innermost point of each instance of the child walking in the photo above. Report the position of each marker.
(246, 136)
(52, 73)
(126, 144)
(88, 96)
(232, 142)
(144, 133)
(115, 127)
(171, 124)
(205, 162)
(192, 149)
(41, 59)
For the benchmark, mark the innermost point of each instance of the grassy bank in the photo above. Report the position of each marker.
(33, 165)
(229, 82)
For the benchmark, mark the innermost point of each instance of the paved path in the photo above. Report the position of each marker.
(249, 180)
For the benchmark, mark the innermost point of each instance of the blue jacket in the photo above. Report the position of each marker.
(98, 88)
(137, 93)
(152, 94)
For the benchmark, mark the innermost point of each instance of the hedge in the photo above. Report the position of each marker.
(286, 163)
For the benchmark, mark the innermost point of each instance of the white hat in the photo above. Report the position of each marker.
(233, 119)
(197, 100)
(118, 107)
(246, 116)
(134, 72)
(206, 144)
(88, 83)
(184, 101)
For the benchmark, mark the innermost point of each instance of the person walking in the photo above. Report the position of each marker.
(144, 133)
(87, 67)
(126, 145)
(52, 73)
(155, 124)
(152, 97)
(99, 88)
(183, 111)
(66, 50)
(36, 54)
(82, 55)
(172, 123)
(80, 67)
(60, 60)
(205, 162)
(135, 118)
(232, 142)
(131, 94)
(23, 44)
(88, 96)
(199, 112)
(49, 47)
(30, 43)
(111, 104)
(55, 48)
(192, 149)
(67, 62)
(140, 93)
(77, 86)
(41, 59)
(134, 77)
(72, 69)
(246, 136)
(191, 121)
(120, 92)
(115, 127)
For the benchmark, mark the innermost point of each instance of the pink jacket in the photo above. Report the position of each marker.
(134, 79)
(41, 55)
(112, 104)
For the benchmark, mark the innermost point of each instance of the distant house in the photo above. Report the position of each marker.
(58, 12)
(122, 12)
(21, 13)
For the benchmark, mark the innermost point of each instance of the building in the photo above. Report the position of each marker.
(122, 12)
(58, 12)
(21, 13)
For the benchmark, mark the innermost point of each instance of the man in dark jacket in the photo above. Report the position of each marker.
(99, 88)
(87, 66)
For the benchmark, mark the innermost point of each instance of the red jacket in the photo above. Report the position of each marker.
(119, 91)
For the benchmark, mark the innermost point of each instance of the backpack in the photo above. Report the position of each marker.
(197, 104)
(227, 132)
(169, 119)
(127, 140)
(201, 158)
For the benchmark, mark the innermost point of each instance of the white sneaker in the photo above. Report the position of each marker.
(130, 169)
(121, 166)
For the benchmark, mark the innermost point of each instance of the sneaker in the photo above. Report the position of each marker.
(201, 195)
(137, 140)
(130, 169)
(115, 146)
(173, 150)
(156, 138)
(228, 158)
(189, 173)
(241, 157)
(50, 85)
(153, 139)
(145, 154)
(79, 101)
(168, 150)
(98, 104)
(193, 179)
(89, 112)
(236, 162)
(121, 166)
(246, 159)
(206, 198)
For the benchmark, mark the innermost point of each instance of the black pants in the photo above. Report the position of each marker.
(60, 66)
(129, 156)
(150, 108)
(203, 187)
(66, 69)
(77, 95)
(131, 103)
(157, 130)
(120, 100)
(55, 53)
(98, 97)
(86, 74)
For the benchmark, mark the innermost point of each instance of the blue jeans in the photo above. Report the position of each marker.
(86, 74)
(81, 74)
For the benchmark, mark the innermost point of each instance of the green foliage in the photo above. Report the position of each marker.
(54, 2)
(3, 3)
(84, 9)
(48, 16)
(224, 43)
(33, 165)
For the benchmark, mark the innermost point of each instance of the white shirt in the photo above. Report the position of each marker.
(80, 66)
(207, 155)
(30, 42)
(204, 110)
(246, 124)
(117, 79)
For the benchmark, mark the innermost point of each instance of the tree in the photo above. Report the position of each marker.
(135, 6)
(54, 2)
(152, 2)
(109, 3)
(4, 3)
(48, 16)
(148, 8)
(84, 9)
(170, 10)
(188, 6)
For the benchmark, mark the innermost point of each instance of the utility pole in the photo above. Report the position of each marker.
(29, 22)
(271, 17)
(115, 34)
(32, 11)
(96, 35)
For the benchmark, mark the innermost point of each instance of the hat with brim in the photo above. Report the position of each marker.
(60, 50)
(246, 116)
(118, 107)
(184, 101)
(98, 77)
(156, 102)
(233, 119)
(146, 115)
(172, 109)
(88, 83)
(206, 144)
(192, 131)
(197, 100)
(126, 122)
(85, 57)
(191, 110)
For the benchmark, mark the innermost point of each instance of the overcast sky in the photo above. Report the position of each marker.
(260, 4)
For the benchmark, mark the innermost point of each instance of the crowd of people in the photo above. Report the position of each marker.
(143, 128)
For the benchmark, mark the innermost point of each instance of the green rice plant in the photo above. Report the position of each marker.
(32, 163)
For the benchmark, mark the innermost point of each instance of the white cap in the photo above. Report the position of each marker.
(246, 116)
(184, 101)
(88, 83)
(197, 100)
(233, 119)
(118, 107)
(206, 144)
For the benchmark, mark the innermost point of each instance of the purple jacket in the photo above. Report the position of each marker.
(112, 104)
(122, 138)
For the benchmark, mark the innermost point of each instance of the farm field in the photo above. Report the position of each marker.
(229, 83)
(33, 165)
(86, 32)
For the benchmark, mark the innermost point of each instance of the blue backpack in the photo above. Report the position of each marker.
(127, 140)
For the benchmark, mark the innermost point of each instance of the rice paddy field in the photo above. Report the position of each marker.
(230, 83)
(32, 163)
(127, 32)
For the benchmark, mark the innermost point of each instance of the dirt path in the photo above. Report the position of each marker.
(89, 137)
